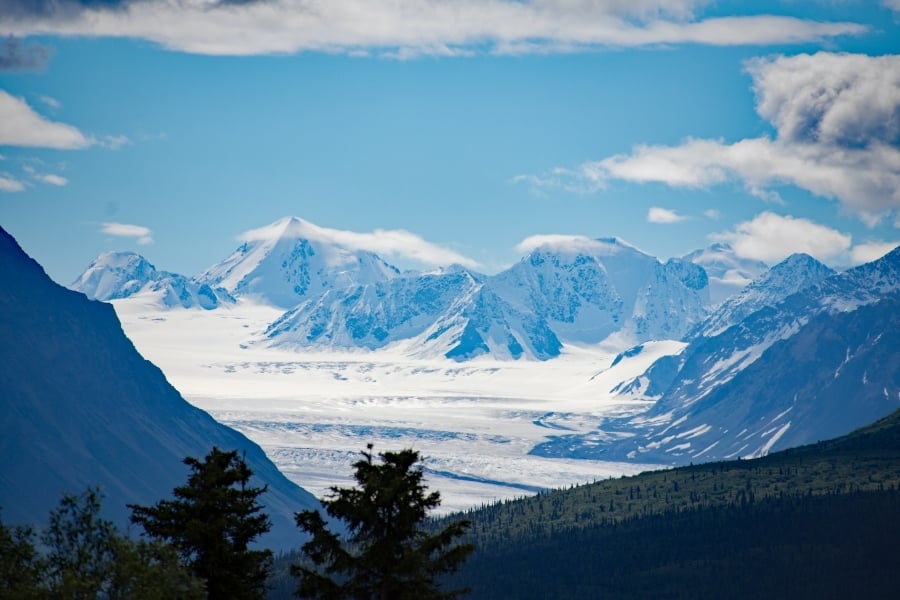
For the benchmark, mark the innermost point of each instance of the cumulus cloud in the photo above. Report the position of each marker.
(8, 183)
(21, 126)
(408, 28)
(16, 55)
(663, 216)
(846, 100)
(869, 251)
(771, 237)
(388, 243)
(837, 122)
(143, 235)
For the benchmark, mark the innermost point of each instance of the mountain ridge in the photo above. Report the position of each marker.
(83, 408)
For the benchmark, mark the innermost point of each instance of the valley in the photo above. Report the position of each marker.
(312, 412)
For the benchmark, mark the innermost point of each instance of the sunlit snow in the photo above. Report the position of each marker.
(475, 422)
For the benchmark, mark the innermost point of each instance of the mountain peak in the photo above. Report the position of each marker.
(788, 277)
(285, 228)
(115, 275)
(291, 259)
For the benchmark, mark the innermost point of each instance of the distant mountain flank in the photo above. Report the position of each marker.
(793, 274)
(81, 407)
(814, 365)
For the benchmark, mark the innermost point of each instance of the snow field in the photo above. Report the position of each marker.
(474, 422)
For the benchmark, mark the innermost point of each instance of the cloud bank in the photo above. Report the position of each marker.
(770, 237)
(837, 135)
(408, 28)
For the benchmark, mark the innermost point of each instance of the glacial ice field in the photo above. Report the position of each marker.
(313, 412)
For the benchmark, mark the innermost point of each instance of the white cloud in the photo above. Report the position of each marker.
(21, 126)
(664, 216)
(570, 243)
(143, 235)
(863, 253)
(837, 118)
(405, 28)
(770, 237)
(712, 213)
(892, 4)
(51, 179)
(10, 184)
(384, 242)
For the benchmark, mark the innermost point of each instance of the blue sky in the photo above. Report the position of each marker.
(449, 130)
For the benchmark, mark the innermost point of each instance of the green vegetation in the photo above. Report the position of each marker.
(819, 521)
(387, 555)
(836, 546)
(866, 460)
(815, 521)
(212, 522)
(86, 557)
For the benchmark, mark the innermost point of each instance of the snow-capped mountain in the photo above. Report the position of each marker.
(608, 286)
(550, 297)
(80, 407)
(446, 313)
(728, 273)
(375, 315)
(791, 275)
(292, 260)
(817, 364)
(486, 324)
(117, 275)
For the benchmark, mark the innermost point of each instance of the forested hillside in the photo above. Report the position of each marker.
(817, 521)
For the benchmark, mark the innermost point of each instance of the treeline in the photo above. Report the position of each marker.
(202, 542)
(803, 546)
(866, 460)
(814, 522)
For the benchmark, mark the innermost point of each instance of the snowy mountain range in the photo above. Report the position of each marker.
(780, 361)
(810, 365)
(338, 297)
(81, 407)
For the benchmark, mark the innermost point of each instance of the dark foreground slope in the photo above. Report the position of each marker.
(79, 406)
(814, 522)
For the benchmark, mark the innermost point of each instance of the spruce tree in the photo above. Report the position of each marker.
(212, 522)
(388, 552)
